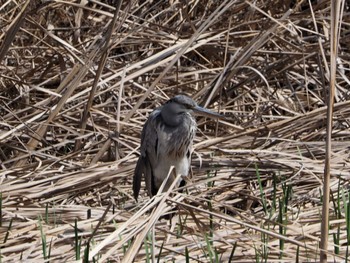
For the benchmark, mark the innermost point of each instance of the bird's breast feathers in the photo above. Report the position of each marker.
(175, 141)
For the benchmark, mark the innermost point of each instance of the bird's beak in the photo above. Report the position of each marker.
(207, 113)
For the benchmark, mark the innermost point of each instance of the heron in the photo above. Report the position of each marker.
(166, 141)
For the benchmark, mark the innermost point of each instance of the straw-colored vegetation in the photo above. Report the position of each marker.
(78, 80)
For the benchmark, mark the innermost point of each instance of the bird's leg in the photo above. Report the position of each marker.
(182, 183)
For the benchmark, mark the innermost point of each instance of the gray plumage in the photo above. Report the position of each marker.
(166, 141)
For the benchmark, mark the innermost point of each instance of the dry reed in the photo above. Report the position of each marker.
(78, 80)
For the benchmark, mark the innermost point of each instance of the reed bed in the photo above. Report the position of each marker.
(78, 80)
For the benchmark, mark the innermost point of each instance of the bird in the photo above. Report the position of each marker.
(166, 140)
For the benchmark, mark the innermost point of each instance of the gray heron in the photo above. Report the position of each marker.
(166, 140)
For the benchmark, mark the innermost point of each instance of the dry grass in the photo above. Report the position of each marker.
(76, 87)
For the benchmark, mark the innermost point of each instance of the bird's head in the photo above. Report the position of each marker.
(174, 110)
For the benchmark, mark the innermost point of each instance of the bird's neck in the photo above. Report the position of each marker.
(171, 116)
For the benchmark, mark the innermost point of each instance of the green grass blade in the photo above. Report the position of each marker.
(8, 231)
(43, 239)
(77, 240)
(262, 193)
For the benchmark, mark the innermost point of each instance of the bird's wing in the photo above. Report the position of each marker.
(148, 157)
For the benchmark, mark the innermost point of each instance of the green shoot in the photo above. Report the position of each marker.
(211, 175)
(8, 231)
(77, 240)
(262, 193)
(47, 213)
(187, 256)
(282, 230)
(0, 209)
(211, 252)
(160, 252)
(148, 247)
(297, 255)
(86, 253)
(43, 239)
(232, 252)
